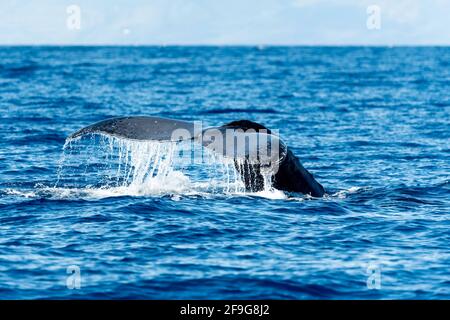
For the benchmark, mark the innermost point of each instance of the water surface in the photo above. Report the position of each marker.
(372, 125)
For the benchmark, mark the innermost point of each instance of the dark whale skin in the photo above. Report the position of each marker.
(291, 175)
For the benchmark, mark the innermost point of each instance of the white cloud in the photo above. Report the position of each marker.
(226, 22)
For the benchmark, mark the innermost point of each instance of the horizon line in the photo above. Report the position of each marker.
(219, 45)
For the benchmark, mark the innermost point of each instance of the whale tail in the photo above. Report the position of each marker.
(269, 151)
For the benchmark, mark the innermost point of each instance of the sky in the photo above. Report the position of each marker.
(225, 22)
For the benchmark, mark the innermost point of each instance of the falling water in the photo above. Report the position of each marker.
(148, 167)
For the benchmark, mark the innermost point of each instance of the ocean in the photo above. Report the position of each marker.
(371, 123)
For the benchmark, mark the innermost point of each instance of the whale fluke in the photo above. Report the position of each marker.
(269, 151)
(138, 128)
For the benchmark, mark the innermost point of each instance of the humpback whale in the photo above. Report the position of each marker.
(287, 172)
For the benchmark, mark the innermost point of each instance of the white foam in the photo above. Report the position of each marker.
(273, 194)
(25, 194)
(342, 194)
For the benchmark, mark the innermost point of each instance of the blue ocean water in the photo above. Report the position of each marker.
(372, 125)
